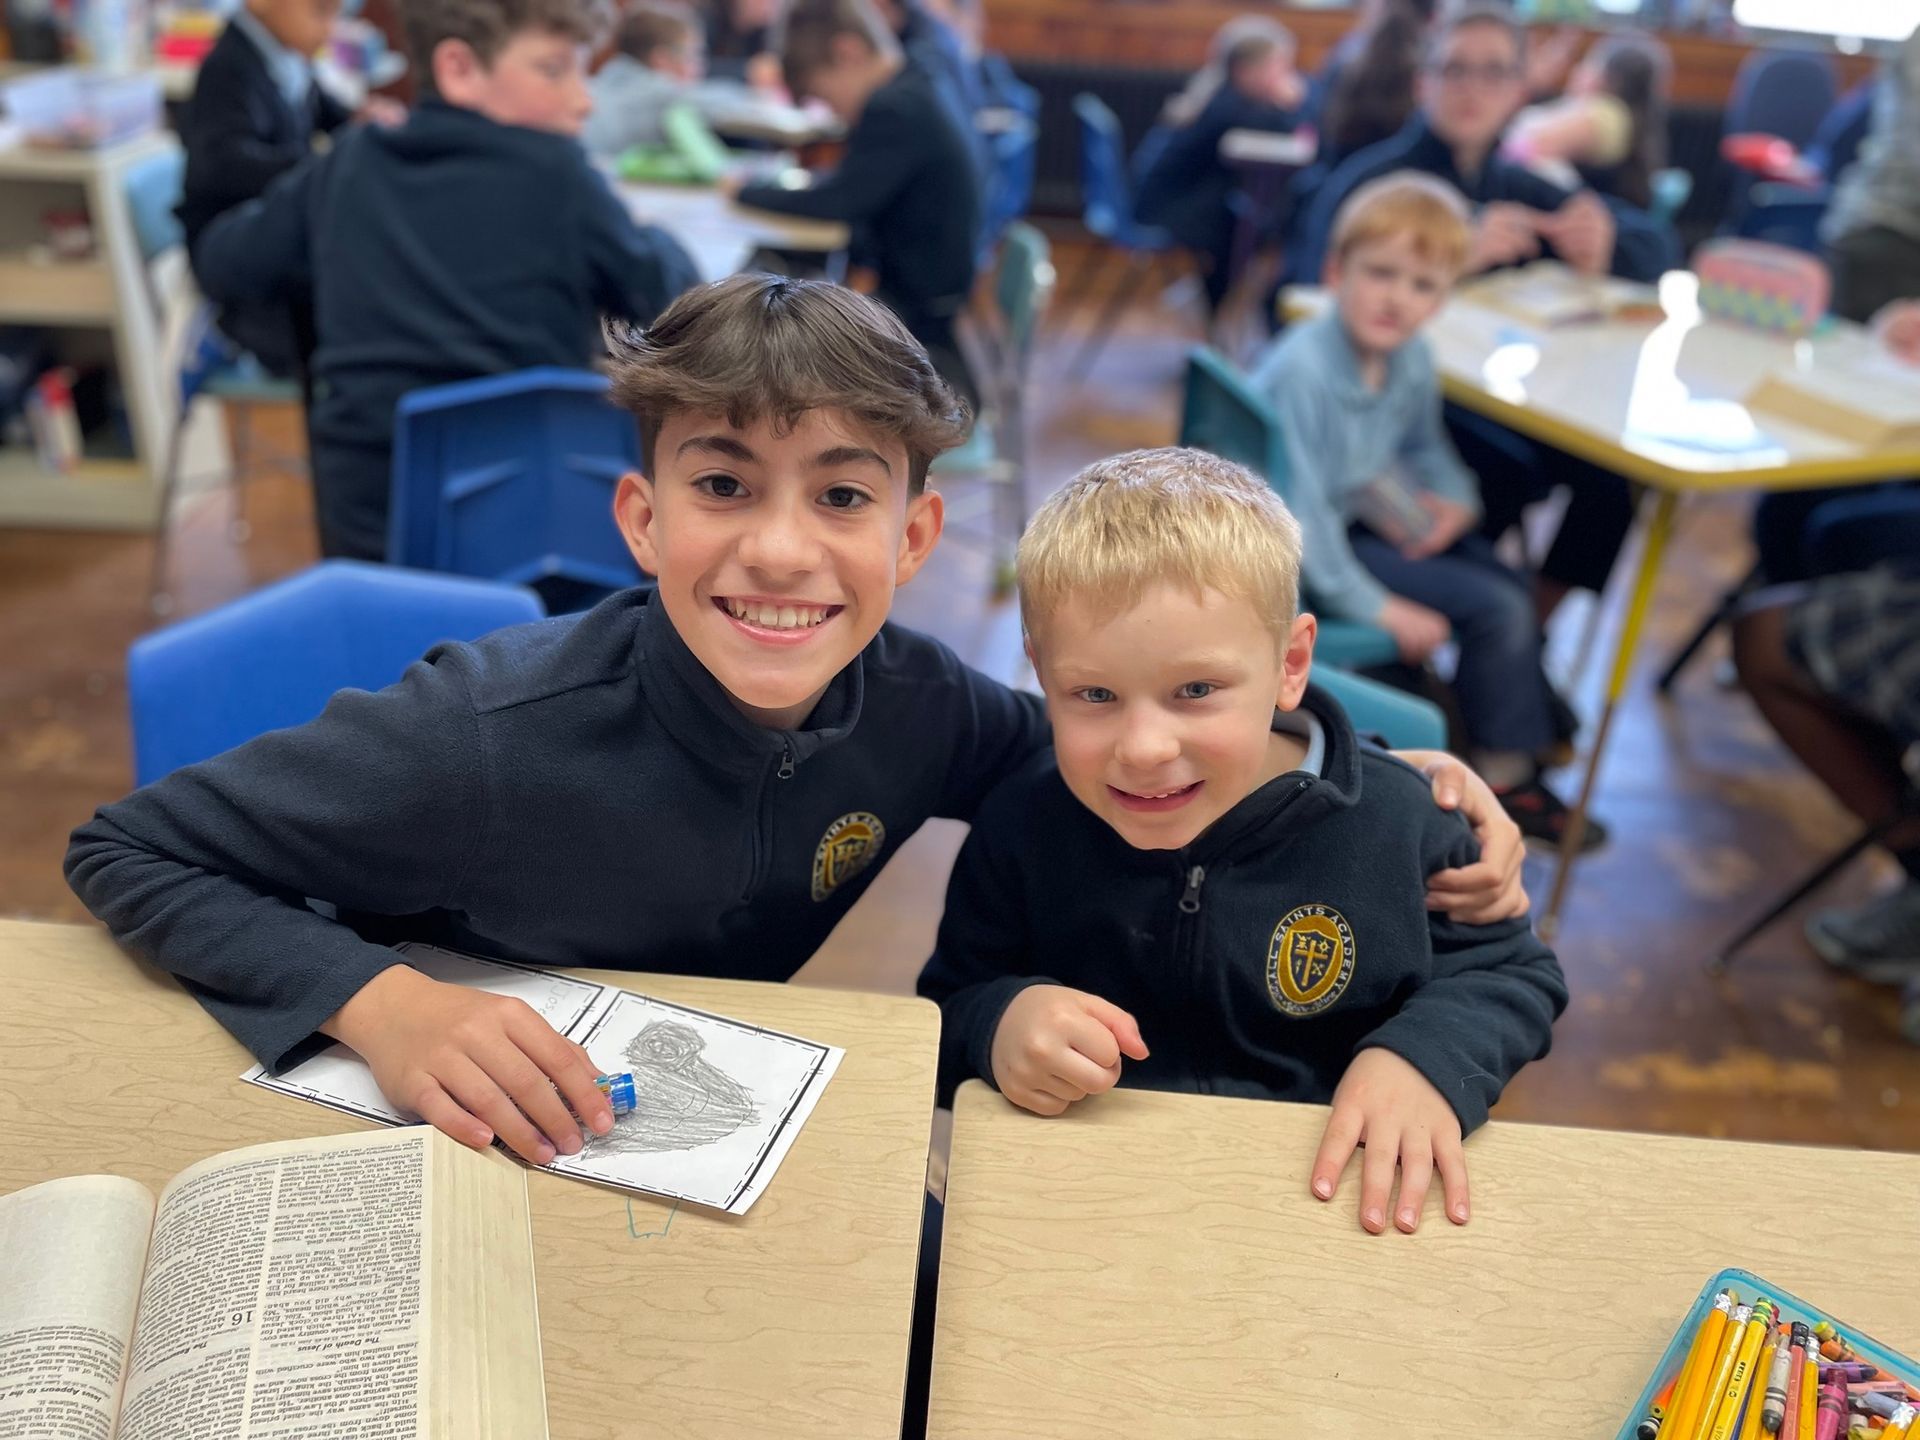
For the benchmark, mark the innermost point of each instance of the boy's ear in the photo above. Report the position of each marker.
(633, 512)
(1296, 660)
(455, 68)
(926, 518)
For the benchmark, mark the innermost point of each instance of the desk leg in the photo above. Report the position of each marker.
(1661, 526)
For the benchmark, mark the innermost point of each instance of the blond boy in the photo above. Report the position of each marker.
(1211, 884)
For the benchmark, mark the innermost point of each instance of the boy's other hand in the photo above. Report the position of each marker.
(1417, 630)
(1489, 890)
(1505, 234)
(472, 1064)
(382, 110)
(1056, 1045)
(1383, 1101)
(1582, 230)
(1451, 520)
(1898, 326)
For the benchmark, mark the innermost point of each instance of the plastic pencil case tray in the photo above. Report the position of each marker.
(82, 110)
(1749, 1286)
(1767, 286)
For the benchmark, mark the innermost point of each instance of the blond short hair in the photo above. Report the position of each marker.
(1161, 517)
(1428, 210)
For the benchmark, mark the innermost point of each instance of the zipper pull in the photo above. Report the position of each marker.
(1190, 901)
(785, 772)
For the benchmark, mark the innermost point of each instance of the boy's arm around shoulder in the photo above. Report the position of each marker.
(637, 270)
(260, 251)
(996, 731)
(376, 806)
(984, 954)
(1490, 1004)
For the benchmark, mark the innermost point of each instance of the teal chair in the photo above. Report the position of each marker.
(1405, 722)
(1672, 188)
(1000, 348)
(211, 368)
(1222, 415)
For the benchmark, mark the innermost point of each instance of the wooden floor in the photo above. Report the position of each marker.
(1709, 816)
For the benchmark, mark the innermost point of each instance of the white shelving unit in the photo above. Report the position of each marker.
(101, 308)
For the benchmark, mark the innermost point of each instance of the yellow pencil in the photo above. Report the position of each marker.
(1701, 1357)
(1735, 1390)
(1717, 1376)
(1899, 1425)
(1757, 1384)
(1809, 1395)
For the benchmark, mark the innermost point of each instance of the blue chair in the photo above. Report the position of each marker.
(1221, 414)
(1786, 213)
(274, 658)
(512, 478)
(1782, 93)
(1011, 154)
(1107, 211)
(1405, 722)
(210, 365)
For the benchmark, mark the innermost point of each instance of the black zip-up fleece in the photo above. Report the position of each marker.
(578, 791)
(1260, 959)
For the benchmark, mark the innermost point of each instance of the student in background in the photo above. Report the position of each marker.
(1388, 509)
(1248, 83)
(473, 240)
(666, 782)
(1872, 227)
(1610, 129)
(739, 41)
(906, 181)
(999, 87)
(1365, 91)
(1210, 884)
(659, 60)
(255, 110)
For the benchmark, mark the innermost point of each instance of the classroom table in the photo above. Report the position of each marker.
(1659, 398)
(787, 126)
(720, 235)
(655, 1319)
(1153, 1265)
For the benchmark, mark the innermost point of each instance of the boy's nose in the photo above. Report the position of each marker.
(779, 544)
(1145, 744)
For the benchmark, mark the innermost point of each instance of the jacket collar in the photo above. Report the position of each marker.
(697, 711)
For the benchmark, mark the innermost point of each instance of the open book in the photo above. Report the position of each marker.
(359, 1287)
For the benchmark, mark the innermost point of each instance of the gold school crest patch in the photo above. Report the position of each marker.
(845, 850)
(1310, 960)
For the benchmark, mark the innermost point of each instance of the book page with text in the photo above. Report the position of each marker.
(71, 1252)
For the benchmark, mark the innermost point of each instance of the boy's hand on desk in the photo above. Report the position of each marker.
(1451, 520)
(1488, 890)
(472, 1064)
(1383, 1101)
(1505, 234)
(1056, 1045)
(1898, 326)
(1582, 230)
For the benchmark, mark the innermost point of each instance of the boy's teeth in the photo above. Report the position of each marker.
(777, 617)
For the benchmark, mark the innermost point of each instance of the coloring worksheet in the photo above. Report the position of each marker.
(717, 1102)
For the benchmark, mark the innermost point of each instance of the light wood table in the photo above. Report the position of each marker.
(789, 1320)
(1662, 401)
(720, 235)
(1153, 1265)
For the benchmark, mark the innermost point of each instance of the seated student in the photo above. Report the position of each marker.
(1387, 507)
(739, 36)
(475, 239)
(932, 44)
(659, 60)
(1211, 884)
(1609, 131)
(675, 780)
(1248, 83)
(907, 180)
(255, 110)
(1872, 227)
(1471, 86)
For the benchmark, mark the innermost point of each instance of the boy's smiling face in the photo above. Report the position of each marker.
(1163, 714)
(777, 552)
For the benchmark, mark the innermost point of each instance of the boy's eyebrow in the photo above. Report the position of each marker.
(718, 445)
(849, 455)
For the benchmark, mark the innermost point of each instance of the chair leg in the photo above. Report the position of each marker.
(1870, 836)
(159, 598)
(238, 530)
(1138, 267)
(1720, 615)
(1084, 275)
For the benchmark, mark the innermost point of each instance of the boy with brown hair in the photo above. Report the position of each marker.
(1211, 884)
(702, 778)
(472, 240)
(1389, 511)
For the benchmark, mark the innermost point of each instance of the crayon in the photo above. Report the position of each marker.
(1649, 1428)
(1697, 1373)
(1899, 1423)
(1879, 1404)
(1727, 1414)
(1832, 1411)
(1796, 1366)
(1849, 1370)
(1773, 1404)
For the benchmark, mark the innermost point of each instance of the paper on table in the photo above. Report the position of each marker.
(719, 1102)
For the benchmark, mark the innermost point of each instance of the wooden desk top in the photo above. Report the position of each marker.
(720, 235)
(791, 1320)
(1661, 402)
(1153, 1265)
